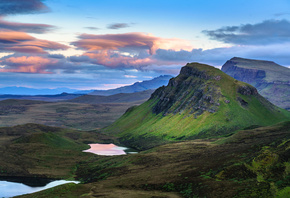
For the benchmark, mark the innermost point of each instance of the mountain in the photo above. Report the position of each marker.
(138, 97)
(31, 91)
(136, 87)
(271, 80)
(48, 98)
(201, 102)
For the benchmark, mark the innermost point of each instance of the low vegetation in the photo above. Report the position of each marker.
(250, 163)
(33, 150)
(60, 114)
(204, 135)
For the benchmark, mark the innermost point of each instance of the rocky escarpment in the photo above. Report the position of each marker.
(200, 102)
(251, 76)
(188, 92)
(271, 79)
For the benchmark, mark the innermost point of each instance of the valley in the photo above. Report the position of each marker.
(251, 163)
(84, 112)
(144, 99)
(205, 134)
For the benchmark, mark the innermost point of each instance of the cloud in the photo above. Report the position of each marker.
(281, 14)
(12, 7)
(57, 56)
(130, 76)
(100, 79)
(115, 26)
(92, 28)
(14, 37)
(136, 40)
(278, 53)
(79, 59)
(27, 64)
(26, 27)
(128, 50)
(11, 41)
(264, 33)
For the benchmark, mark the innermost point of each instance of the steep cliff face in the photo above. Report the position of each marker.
(271, 79)
(251, 76)
(189, 93)
(201, 101)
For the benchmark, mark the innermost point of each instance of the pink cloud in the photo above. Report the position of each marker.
(110, 59)
(127, 50)
(14, 37)
(26, 49)
(93, 42)
(25, 27)
(28, 64)
(48, 45)
(12, 41)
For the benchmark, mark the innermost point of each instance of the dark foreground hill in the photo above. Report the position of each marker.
(34, 150)
(136, 87)
(200, 102)
(271, 80)
(251, 163)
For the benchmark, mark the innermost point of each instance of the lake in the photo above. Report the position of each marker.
(109, 149)
(10, 186)
(13, 188)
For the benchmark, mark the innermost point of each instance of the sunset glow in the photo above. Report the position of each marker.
(99, 40)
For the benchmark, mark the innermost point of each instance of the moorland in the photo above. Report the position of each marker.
(205, 134)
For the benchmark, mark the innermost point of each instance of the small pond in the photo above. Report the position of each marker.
(20, 186)
(109, 149)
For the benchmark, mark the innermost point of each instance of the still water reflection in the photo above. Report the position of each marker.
(10, 189)
(109, 149)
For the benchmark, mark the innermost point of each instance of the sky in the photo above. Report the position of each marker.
(95, 44)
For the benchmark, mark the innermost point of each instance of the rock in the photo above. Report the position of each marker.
(247, 90)
(270, 79)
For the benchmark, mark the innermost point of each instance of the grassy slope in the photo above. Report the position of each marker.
(42, 151)
(250, 163)
(143, 129)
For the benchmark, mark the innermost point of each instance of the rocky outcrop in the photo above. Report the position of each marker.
(270, 79)
(251, 76)
(247, 90)
(191, 91)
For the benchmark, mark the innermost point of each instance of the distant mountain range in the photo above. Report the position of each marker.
(30, 91)
(47, 98)
(271, 80)
(136, 87)
(137, 97)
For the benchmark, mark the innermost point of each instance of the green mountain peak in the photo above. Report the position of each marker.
(201, 101)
